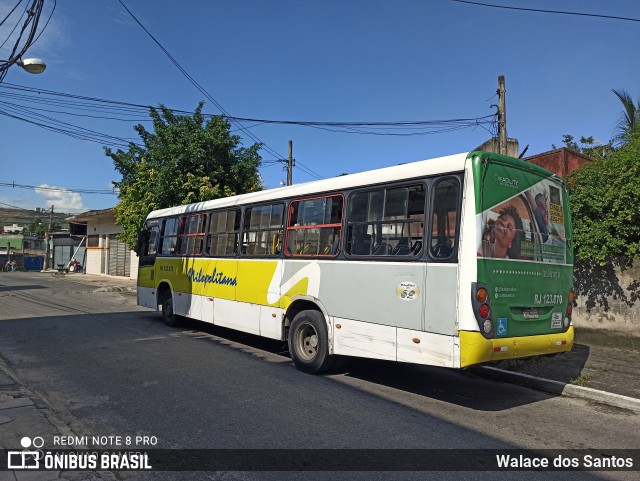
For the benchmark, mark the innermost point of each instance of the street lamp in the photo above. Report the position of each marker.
(31, 65)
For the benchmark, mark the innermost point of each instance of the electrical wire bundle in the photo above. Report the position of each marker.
(27, 35)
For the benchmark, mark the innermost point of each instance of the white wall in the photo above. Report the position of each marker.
(103, 227)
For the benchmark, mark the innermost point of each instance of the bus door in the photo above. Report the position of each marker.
(147, 250)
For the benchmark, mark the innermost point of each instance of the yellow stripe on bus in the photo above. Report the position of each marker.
(475, 349)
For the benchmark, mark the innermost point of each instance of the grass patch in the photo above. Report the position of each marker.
(581, 380)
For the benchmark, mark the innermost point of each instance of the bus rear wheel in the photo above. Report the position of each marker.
(309, 342)
(168, 314)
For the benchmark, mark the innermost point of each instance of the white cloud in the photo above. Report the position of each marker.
(62, 199)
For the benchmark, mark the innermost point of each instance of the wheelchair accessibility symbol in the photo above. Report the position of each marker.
(502, 327)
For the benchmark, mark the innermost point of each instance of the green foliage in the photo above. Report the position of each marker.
(629, 118)
(40, 226)
(588, 146)
(185, 159)
(605, 195)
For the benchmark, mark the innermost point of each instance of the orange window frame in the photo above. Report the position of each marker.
(182, 235)
(290, 228)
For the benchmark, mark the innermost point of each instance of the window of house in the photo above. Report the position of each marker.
(314, 226)
(93, 240)
(387, 222)
(444, 220)
(169, 238)
(224, 228)
(262, 230)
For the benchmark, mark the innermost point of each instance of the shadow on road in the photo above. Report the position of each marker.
(20, 288)
(452, 386)
(567, 368)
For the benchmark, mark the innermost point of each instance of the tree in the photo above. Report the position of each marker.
(588, 146)
(185, 159)
(629, 118)
(40, 226)
(605, 195)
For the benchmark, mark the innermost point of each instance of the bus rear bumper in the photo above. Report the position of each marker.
(476, 349)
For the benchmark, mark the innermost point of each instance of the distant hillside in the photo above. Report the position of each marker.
(23, 217)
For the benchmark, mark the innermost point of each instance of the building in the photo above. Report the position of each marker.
(493, 145)
(64, 247)
(561, 161)
(105, 254)
(13, 229)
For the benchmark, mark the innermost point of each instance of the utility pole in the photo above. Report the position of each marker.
(290, 164)
(47, 237)
(502, 117)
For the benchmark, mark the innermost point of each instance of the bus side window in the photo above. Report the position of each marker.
(444, 220)
(262, 230)
(387, 222)
(315, 226)
(224, 230)
(169, 237)
(191, 239)
(153, 241)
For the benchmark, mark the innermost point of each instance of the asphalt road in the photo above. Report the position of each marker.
(108, 367)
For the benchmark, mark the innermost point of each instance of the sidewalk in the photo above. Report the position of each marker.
(601, 367)
(23, 413)
(101, 283)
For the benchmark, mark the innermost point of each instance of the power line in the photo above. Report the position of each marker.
(71, 104)
(10, 12)
(58, 189)
(29, 27)
(393, 128)
(200, 88)
(559, 12)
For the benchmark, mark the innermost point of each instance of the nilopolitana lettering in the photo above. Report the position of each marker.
(214, 278)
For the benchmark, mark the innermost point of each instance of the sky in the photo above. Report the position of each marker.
(303, 60)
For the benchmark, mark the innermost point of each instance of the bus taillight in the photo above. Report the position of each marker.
(482, 309)
(481, 295)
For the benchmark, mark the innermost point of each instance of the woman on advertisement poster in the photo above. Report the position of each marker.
(503, 236)
(524, 227)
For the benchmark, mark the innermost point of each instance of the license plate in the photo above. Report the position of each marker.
(530, 313)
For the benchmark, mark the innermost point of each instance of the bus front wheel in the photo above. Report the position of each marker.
(168, 314)
(309, 343)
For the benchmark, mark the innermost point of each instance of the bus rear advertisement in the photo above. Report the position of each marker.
(524, 258)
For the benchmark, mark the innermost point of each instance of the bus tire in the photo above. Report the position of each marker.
(309, 342)
(168, 314)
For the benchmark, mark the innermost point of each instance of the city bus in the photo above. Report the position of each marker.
(453, 261)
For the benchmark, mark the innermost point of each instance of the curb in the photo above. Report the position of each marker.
(560, 388)
(115, 289)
